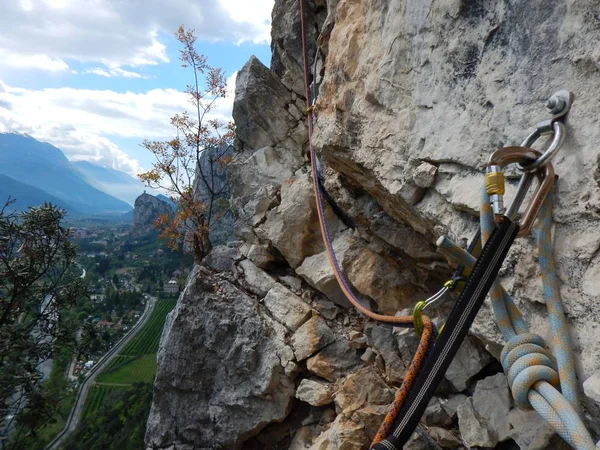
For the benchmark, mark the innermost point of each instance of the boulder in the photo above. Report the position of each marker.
(484, 418)
(293, 226)
(360, 389)
(314, 392)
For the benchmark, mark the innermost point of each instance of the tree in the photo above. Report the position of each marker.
(177, 160)
(37, 282)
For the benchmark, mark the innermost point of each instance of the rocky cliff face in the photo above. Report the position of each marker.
(414, 96)
(147, 208)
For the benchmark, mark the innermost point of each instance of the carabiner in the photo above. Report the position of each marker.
(495, 185)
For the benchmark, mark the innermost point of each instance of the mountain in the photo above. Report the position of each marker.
(146, 211)
(26, 195)
(45, 167)
(114, 182)
(167, 200)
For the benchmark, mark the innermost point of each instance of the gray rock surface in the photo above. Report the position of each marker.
(286, 307)
(220, 377)
(467, 362)
(222, 257)
(484, 418)
(259, 281)
(311, 337)
(147, 208)
(314, 392)
(334, 361)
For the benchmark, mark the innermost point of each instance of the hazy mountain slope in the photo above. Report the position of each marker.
(26, 195)
(114, 182)
(44, 166)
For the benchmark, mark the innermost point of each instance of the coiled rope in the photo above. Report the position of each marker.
(531, 376)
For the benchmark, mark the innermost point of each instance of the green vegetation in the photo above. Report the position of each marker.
(140, 370)
(62, 395)
(135, 363)
(97, 397)
(119, 425)
(146, 341)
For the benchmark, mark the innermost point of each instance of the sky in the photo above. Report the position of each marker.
(96, 77)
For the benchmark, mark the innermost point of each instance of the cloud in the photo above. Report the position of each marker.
(46, 34)
(113, 72)
(81, 122)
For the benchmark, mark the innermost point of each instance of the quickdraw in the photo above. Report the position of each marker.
(534, 382)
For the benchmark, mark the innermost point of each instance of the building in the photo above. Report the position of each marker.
(171, 287)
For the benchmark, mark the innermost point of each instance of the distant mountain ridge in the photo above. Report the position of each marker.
(44, 167)
(25, 195)
(114, 182)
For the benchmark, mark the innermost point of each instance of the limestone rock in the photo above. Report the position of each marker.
(257, 278)
(291, 282)
(382, 340)
(436, 415)
(424, 175)
(271, 138)
(218, 362)
(484, 419)
(335, 360)
(371, 417)
(451, 405)
(261, 255)
(472, 431)
(347, 434)
(443, 437)
(326, 308)
(286, 307)
(467, 362)
(222, 257)
(390, 286)
(317, 272)
(364, 387)
(147, 208)
(293, 227)
(591, 387)
(530, 431)
(311, 337)
(313, 392)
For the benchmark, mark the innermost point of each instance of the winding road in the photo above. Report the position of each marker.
(77, 409)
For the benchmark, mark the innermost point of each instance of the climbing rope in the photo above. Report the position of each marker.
(526, 361)
(427, 336)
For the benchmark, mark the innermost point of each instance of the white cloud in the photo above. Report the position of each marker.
(45, 33)
(113, 72)
(36, 61)
(81, 122)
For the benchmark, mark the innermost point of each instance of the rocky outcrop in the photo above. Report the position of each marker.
(413, 97)
(148, 208)
(221, 376)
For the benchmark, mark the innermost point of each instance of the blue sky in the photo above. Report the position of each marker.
(95, 79)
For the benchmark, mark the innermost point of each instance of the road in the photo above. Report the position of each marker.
(77, 409)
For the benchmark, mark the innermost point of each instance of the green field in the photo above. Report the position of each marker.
(147, 339)
(97, 396)
(139, 370)
(135, 363)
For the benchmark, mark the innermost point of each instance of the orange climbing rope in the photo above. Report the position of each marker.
(402, 321)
